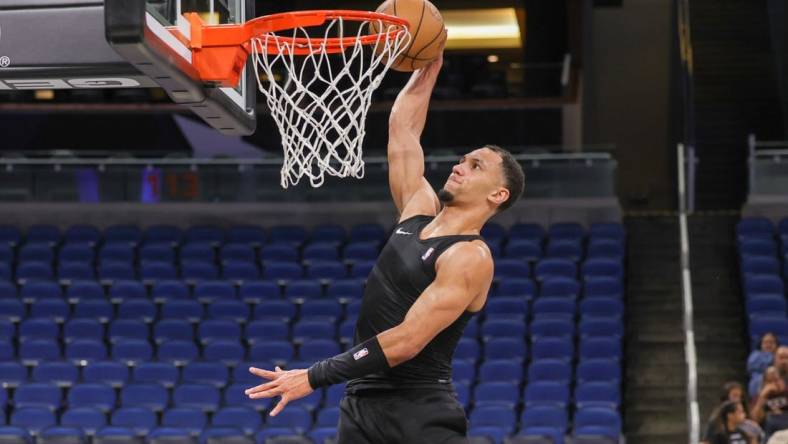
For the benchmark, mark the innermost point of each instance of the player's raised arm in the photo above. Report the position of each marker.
(411, 192)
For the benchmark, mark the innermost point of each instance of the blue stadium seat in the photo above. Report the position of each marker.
(132, 351)
(554, 307)
(560, 348)
(199, 396)
(197, 252)
(229, 309)
(240, 272)
(151, 272)
(279, 252)
(255, 292)
(467, 349)
(189, 310)
(209, 291)
(303, 289)
(566, 230)
(501, 370)
(115, 435)
(523, 249)
(36, 291)
(327, 417)
(191, 419)
(503, 348)
(6, 254)
(233, 395)
(367, 233)
(35, 328)
(328, 270)
(597, 421)
(163, 291)
(77, 252)
(211, 373)
(502, 328)
(247, 234)
(607, 230)
(217, 329)
(98, 309)
(277, 351)
(129, 234)
(10, 235)
(139, 309)
(550, 370)
(11, 310)
(605, 327)
(127, 291)
(571, 249)
(12, 373)
(84, 290)
(273, 309)
(334, 394)
(555, 267)
(34, 419)
(266, 329)
(597, 394)
(35, 351)
(774, 323)
(8, 290)
(353, 308)
(517, 288)
(86, 418)
(56, 309)
(144, 394)
(465, 371)
(307, 330)
(758, 284)
(505, 394)
(599, 370)
(163, 234)
(361, 269)
(602, 307)
(227, 352)
(757, 247)
(95, 395)
(603, 286)
(527, 231)
(602, 267)
(321, 310)
(60, 373)
(172, 329)
(109, 272)
(33, 271)
(193, 271)
(177, 352)
(121, 329)
(47, 234)
(209, 234)
(545, 416)
(493, 231)
(6, 351)
(553, 393)
(86, 351)
(494, 421)
(507, 308)
(5, 271)
(36, 252)
(755, 265)
(139, 420)
(361, 251)
(7, 330)
(282, 271)
(116, 252)
(511, 268)
(782, 226)
(552, 327)
(295, 417)
(347, 330)
(599, 347)
(37, 394)
(294, 235)
(766, 304)
(605, 248)
(755, 225)
(164, 373)
(157, 252)
(170, 435)
(317, 252)
(62, 435)
(329, 233)
(107, 372)
(318, 349)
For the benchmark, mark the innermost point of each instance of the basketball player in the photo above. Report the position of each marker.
(431, 277)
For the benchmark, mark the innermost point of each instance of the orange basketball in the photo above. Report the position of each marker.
(426, 30)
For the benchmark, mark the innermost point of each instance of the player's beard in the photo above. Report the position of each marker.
(445, 196)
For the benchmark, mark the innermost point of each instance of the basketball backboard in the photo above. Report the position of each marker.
(85, 44)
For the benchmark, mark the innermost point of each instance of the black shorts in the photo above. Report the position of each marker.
(403, 416)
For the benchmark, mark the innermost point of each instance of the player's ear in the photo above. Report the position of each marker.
(499, 196)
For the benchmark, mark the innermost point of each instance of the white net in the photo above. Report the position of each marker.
(319, 99)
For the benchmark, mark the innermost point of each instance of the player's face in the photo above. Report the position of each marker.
(477, 177)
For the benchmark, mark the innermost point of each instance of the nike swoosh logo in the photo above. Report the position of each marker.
(399, 231)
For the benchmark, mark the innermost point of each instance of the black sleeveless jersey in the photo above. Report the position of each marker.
(405, 267)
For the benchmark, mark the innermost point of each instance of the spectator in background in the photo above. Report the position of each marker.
(771, 406)
(758, 361)
(726, 426)
(733, 391)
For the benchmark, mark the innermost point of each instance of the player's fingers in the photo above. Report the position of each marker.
(267, 374)
(276, 391)
(262, 387)
(279, 406)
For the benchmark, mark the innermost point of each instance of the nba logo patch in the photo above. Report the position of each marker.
(427, 254)
(360, 354)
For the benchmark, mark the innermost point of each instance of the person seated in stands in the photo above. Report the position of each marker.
(771, 406)
(727, 425)
(734, 392)
(758, 360)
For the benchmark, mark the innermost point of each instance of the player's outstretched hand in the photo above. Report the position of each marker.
(289, 384)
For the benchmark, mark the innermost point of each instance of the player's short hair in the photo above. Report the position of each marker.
(513, 176)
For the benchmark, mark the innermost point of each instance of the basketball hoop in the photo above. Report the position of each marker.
(317, 88)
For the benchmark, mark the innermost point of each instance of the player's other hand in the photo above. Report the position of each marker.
(289, 384)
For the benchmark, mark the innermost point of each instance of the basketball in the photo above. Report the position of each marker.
(426, 30)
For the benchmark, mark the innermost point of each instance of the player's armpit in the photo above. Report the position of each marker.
(464, 272)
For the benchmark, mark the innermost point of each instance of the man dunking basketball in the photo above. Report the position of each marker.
(431, 277)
